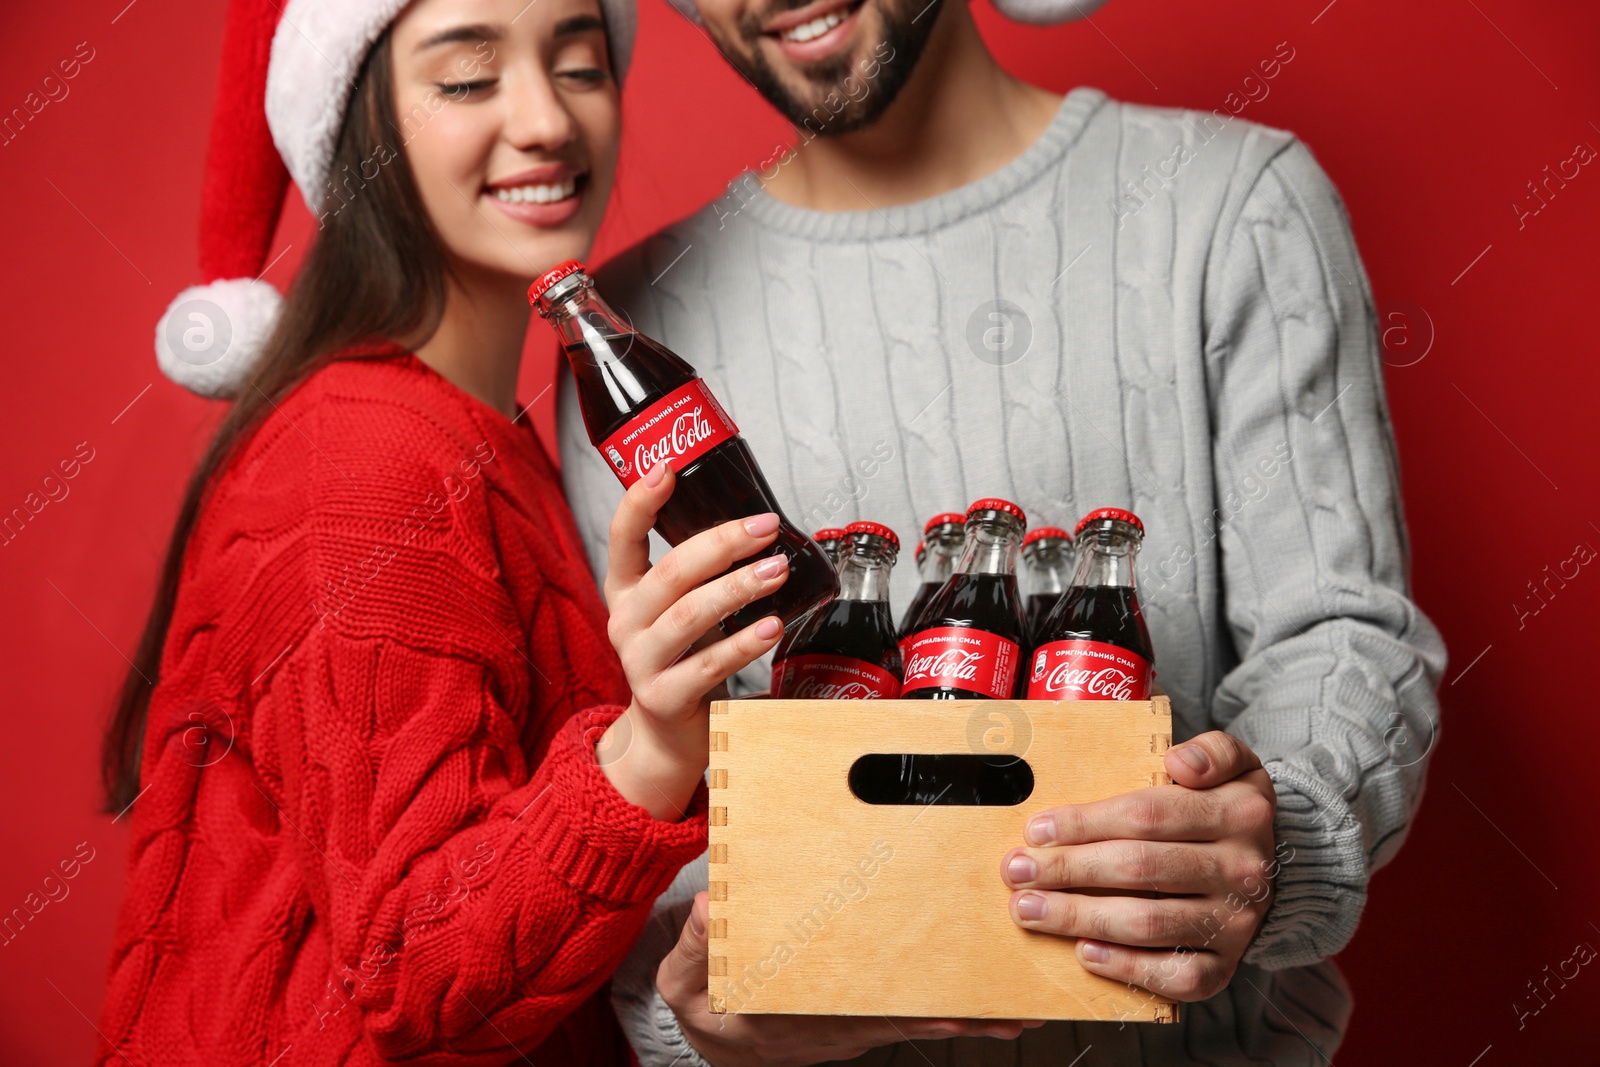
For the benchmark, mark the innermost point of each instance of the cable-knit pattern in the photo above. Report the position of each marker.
(1202, 350)
(372, 826)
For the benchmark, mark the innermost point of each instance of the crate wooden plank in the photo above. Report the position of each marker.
(822, 904)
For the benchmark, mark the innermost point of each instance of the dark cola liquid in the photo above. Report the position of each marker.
(987, 602)
(913, 614)
(855, 629)
(723, 484)
(1108, 613)
(1039, 607)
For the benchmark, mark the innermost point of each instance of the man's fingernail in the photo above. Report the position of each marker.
(1094, 951)
(1022, 869)
(1041, 830)
(768, 628)
(653, 476)
(695, 924)
(772, 566)
(761, 525)
(1030, 906)
(1195, 757)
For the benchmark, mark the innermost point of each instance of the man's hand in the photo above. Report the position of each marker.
(786, 1040)
(1200, 850)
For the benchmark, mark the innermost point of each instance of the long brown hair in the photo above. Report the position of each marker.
(376, 270)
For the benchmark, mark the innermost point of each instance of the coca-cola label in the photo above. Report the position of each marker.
(681, 426)
(822, 677)
(955, 657)
(1088, 670)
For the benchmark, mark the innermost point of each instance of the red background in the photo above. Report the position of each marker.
(1430, 117)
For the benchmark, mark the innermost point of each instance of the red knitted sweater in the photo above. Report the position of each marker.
(372, 828)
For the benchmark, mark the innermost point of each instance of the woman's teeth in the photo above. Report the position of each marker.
(815, 28)
(538, 194)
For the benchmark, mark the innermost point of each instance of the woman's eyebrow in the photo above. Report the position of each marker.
(470, 34)
(578, 24)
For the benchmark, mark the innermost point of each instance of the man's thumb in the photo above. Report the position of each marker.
(685, 966)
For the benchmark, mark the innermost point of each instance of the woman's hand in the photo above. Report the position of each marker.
(655, 754)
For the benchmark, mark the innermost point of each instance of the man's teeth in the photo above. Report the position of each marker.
(538, 194)
(815, 28)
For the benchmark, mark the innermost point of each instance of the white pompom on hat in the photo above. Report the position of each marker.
(1033, 12)
(285, 79)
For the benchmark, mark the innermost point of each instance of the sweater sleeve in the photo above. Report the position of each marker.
(474, 873)
(1337, 669)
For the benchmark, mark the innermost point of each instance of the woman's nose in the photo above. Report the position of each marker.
(537, 117)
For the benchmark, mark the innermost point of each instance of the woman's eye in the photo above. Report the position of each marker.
(461, 89)
(584, 75)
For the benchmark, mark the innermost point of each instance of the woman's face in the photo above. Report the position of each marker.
(510, 120)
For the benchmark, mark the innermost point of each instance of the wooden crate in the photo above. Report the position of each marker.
(822, 904)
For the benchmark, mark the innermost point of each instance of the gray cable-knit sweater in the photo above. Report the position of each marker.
(1148, 308)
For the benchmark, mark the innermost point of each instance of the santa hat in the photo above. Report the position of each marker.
(1033, 12)
(286, 74)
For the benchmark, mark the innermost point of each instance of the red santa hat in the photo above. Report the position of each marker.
(286, 75)
(1034, 12)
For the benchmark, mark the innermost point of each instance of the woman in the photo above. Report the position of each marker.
(390, 795)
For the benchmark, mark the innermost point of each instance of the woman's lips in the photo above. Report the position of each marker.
(550, 213)
(825, 43)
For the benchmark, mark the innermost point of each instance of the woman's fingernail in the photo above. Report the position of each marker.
(1041, 830)
(1195, 757)
(768, 628)
(1022, 869)
(772, 566)
(761, 525)
(653, 476)
(1030, 906)
(1094, 951)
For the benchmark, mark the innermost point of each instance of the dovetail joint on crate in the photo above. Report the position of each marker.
(719, 740)
(718, 967)
(1166, 1013)
(718, 928)
(718, 890)
(718, 816)
(1160, 742)
(718, 1005)
(718, 853)
(719, 778)
(1160, 778)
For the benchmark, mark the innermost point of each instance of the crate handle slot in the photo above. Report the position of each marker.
(944, 778)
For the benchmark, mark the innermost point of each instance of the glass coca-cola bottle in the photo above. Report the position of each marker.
(1046, 571)
(642, 405)
(968, 645)
(942, 538)
(828, 540)
(1094, 644)
(847, 649)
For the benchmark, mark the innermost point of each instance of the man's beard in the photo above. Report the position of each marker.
(844, 98)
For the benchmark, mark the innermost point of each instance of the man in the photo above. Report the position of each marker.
(959, 285)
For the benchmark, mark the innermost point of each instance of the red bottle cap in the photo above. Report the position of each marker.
(1044, 531)
(922, 550)
(832, 533)
(551, 276)
(876, 529)
(1110, 513)
(953, 517)
(994, 503)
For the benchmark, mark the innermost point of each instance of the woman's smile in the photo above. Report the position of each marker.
(544, 196)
